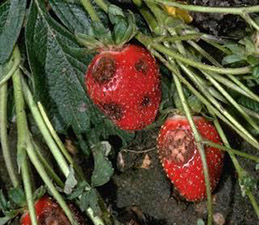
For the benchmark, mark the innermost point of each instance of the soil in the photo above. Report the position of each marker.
(144, 195)
(227, 26)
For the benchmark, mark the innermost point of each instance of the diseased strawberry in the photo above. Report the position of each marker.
(181, 159)
(125, 84)
(50, 213)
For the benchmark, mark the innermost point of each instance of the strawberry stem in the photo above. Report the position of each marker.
(250, 21)
(44, 130)
(175, 38)
(232, 101)
(218, 111)
(207, 9)
(238, 168)
(15, 59)
(245, 134)
(227, 149)
(196, 64)
(47, 167)
(4, 137)
(102, 4)
(199, 144)
(58, 141)
(150, 19)
(90, 9)
(43, 174)
(22, 131)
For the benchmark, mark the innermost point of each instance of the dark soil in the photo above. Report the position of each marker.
(145, 196)
(228, 26)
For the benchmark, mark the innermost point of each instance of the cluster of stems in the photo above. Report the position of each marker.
(27, 149)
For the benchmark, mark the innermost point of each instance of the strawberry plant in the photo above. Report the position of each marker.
(81, 81)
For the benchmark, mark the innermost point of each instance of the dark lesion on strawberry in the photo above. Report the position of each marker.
(113, 110)
(145, 101)
(179, 146)
(104, 70)
(53, 216)
(141, 66)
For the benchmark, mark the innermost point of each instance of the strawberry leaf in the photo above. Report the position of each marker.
(11, 20)
(58, 66)
(232, 59)
(249, 103)
(72, 15)
(102, 166)
(4, 220)
(17, 196)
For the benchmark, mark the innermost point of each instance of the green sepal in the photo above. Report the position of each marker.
(100, 37)
(124, 25)
(17, 196)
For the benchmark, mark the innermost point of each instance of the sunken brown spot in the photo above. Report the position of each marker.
(113, 110)
(141, 66)
(179, 146)
(53, 216)
(104, 70)
(145, 101)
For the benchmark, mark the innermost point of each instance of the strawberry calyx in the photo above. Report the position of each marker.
(101, 38)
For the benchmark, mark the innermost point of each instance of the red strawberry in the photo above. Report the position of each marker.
(125, 85)
(181, 159)
(50, 213)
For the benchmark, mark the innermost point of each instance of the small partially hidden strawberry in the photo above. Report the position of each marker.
(181, 159)
(49, 212)
(125, 84)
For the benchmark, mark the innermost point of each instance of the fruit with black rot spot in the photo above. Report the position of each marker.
(48, 212)
(181, 159)
(125, 85)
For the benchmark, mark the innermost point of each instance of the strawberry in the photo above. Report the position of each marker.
(49, 212)
(181, 159)
(125, 84)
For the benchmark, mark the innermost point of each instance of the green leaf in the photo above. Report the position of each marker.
(232, 59)
(195, 104)
(58, 65)
(102, 33)
(247, 183)
(39, 192)
(236, 49)
(249, 45)
(200, 222)
(255, 72)
(93, 201)
(71, 181)
(72, 15)
(249, 103)
(104, 128)
(4, 220)
(11, 19)
(124, 25)
(17, 196)
(3, 201)
(81, 187)
(90, 199)
(253, 60)
(102, 166)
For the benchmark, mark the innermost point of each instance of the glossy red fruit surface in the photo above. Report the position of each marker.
(181, 160)
(125, 85)
(48, 213)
